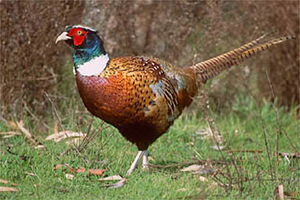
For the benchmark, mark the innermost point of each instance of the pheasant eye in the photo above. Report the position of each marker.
(79, 32)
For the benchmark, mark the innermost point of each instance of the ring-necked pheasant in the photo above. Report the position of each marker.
(142, 96)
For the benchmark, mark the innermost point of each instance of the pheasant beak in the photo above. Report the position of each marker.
(63, 36)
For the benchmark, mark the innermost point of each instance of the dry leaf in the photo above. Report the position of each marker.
(8, 136)
(63, 135)
(30, 174)
(75, 141)
(12, 125)
(181, 190)
(203, 132)
(97, 172)
(69, 176)
(280, 192)
(80, 170)
(3, 181)
(7, 182)
(192, 168)
(10, 133)
(39, 147)
(204, 179)
(218, 147)
(26, 133)
(111, 178)
(119, 184)
(8, 189)
(55, 128)
(37, 185)
(24, 130)
(60, 166)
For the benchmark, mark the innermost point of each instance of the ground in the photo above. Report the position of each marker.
(250, 163)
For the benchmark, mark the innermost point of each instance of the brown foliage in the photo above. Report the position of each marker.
(30, 63)
(245, 20)
(283, 68)
(156, 28)
(182, 32)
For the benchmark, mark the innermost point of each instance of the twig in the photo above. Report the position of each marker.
(33, 116)
(33, 141)
(190, 163)
(55, 110)
(276, 115)
(282, 154)
(230, 156)
(266, 144)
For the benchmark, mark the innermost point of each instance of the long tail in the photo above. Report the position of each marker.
(208, 69)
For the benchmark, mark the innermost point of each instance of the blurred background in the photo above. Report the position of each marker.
(35, 73)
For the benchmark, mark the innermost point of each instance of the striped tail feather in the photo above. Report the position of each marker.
(208, 69)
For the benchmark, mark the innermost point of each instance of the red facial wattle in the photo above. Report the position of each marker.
(78, 35)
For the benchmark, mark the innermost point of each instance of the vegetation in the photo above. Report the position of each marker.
(31, 64)
(249, 163)
(241, 136)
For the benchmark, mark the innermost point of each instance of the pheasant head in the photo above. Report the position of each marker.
(90, 57)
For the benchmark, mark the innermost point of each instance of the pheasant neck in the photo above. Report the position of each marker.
(92, 60)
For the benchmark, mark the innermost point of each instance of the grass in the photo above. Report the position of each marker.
(250, 175)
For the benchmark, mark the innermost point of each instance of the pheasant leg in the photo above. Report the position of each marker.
(135, 162)
(146, 161)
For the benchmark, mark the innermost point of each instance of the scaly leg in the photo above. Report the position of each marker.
(146, 161)
(135, 162)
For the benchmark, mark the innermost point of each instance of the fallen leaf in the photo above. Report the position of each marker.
(55, 128)
(192, 168)
(203, 132)
(63, 135)
(181, 190)
(69, 176)
(27, 134)
(39, 147)
(24, 130)
(58, 166)
(62, 190)
(80, 170)
(7, 182)
(97, 172)
(218, 147)
(12, 125)
(75, 141)
(3, 181)
(64, 166)
(202, 178)
(10, 133)
(8, 136)
(119, 184)
(30, 174)
(111, 178)
(8, 189)
(280, 192)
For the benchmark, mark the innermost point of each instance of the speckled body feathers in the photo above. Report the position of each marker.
(140, 96)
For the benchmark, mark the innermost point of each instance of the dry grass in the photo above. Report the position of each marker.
(30, 62)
